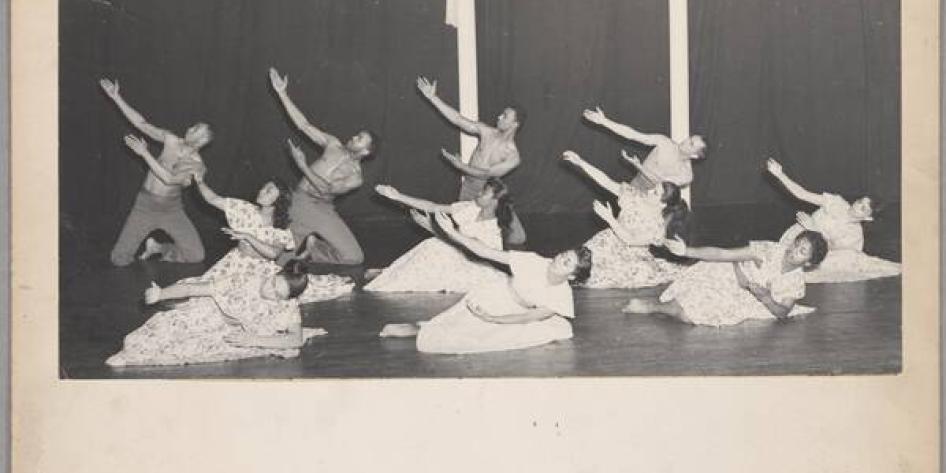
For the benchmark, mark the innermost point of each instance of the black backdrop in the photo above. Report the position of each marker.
(814, 83)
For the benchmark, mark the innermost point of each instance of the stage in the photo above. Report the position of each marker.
(855, 330)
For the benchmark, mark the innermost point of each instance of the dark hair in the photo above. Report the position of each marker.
(819, 247)
(503, 204)
(281, 217)
(583, 270)
(296, 277)
(521, 115)
(375, 142)
(676, 210)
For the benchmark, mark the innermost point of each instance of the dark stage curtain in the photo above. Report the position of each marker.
(815, 84)
(557, 57)
(351, 64)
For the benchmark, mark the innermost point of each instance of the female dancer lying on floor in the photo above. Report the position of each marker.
(529, 310)
(248, 316)
(623, 257)
(840, 223)
(436, 265)
(263, 234)
(759, 281)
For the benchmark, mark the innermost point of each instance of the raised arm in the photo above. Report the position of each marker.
(509, 162)
(594, 173)
(280, 85)
(709, 253)
(332, 186)
(429, 91)
(775, 169)
(420, 204)
(597, 117)
(472, 244)
(136, 119)
(603, 211)
(207, 193)
(155, 294)
(651, 176)
(140, 147)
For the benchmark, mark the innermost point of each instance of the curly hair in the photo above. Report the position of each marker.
(296, 277)
(281, 217)
(583, 270)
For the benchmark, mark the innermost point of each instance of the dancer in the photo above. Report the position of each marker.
(495, 155)
(840, 223)
(763, 280)
(262, 235)
(531, 309)
(249, 317)
(669, 161)
(622, 253)
(435, 265)
(158, 205)
(336, 172)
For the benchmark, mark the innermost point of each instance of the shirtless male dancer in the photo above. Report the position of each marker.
(668, 161)
(495, 155)
(158, 205)
(336, 172)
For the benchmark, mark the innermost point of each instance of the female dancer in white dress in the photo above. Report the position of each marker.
(247, 316)
(840, 223)
(435, 265)
(622, 253)
(759, 281)
(531, 309)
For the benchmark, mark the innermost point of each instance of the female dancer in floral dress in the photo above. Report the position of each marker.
(246, 316)
(763, 280)
(622, 253)
(435, 265)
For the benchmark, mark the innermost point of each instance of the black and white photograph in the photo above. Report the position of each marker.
(324, 189)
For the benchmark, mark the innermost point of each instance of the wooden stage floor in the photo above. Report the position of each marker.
(856, 329)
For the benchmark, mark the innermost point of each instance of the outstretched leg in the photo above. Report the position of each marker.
(336, 243)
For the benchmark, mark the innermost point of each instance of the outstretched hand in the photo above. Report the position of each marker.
(595, 116)
(603, 210)
(152, 294)
(773, 167)
(422, 219)
(806, 221)
(110, 87)
(138, 145)
(478, 311)
(676, 246)
(278, 82)
(296, 152)
(386, 191)
(445, 222)
(631, 159)
(571, 157)
(426, 87)
(451, 157)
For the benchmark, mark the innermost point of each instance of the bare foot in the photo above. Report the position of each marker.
(637, 306)
(398, 330)
(152, 248)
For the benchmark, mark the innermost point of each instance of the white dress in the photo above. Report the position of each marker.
(710, 294)
(457, 330)
(437, 266)
(616, 264)
(846, 260)
(195, 333)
